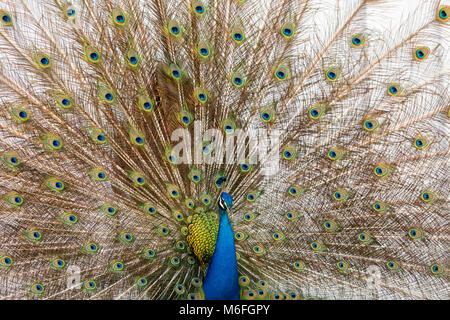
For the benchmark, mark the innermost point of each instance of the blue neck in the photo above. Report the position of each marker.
(221, 280)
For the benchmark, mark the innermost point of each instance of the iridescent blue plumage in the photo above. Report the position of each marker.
(221, 280)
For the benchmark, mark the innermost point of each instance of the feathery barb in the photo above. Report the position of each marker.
(122, 121)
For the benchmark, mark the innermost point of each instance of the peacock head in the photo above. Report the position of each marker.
(225, 202)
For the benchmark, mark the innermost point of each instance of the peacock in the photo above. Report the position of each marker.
(224, 149)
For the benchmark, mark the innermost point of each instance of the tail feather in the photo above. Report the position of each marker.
(96, 204)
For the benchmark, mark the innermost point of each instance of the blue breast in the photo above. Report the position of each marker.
(221, 280)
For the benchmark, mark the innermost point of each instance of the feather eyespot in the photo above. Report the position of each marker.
(6, 18)
(119, 17)
(173, 191)
(244, 281)
(136, 138)
(57, 263)
(427, 196)
(116, 266)
(421, 53)
(125, 237)
(437, 269)
(148, 254)
(14, 199)
(198, 8)
(259, 250)
(69, 218)
(20, 114)
(335, 154)
(393, 266)
(393, 89)
(317, 246)
(93, 56)
(331, 226)
(174, 28)
(250, 216)
(180, 246)
(229, 126)
(282, 72)
(365, 238)
(177, 215)
(148, 208)
(278, 236)
(108, 210)
(141, 282)
(288, 30)
(246, 166)
(357, 40)
(37, 289)
(205, 198)
(133, 60)
(237, 36)
(296, 191)
(179, 289)
(11, 159)
(421, 143)
(238, 79)
(371, 125)
(381, 170)
(162, 230)
(299, 265)
(43, 60)
(201, 94)
(6, 261)
(416, 233)
(281, 75)
(442, 13)
(380, 207)
(174, 261)
(89, 286)
(33, 236)
(332, 74)
(55, 184)
(292, 215)
(147, 105)
(175, 72)
(70, 12)
(316, 111)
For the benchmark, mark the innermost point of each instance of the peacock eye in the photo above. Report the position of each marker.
(287, 31)
(6, 18)
(133, 60)
(120, 18)
(199, 9)
(281, 74)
